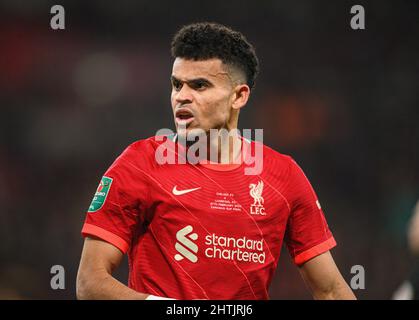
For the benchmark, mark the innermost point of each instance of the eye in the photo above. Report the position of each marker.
(199, 85)
(177, 85)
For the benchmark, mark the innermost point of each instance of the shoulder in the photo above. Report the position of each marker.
(141, 153)
(146, 146)
(277, 160)
(276, 155)
(283, 167)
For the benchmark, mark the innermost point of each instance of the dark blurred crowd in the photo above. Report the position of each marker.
(343, 103)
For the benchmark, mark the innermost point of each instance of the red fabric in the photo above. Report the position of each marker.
(227, 249)
(307, 226)
(315, 251)
(89, 229)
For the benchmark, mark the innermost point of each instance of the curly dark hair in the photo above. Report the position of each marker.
(207, 40)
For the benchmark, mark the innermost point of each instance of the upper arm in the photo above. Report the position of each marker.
(97, 257)
(119, 204)
(309, 240)
(94, 279)
(307, 233)
(322, 276)
(320, 272)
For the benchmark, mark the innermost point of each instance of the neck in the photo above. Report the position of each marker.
(224, 146)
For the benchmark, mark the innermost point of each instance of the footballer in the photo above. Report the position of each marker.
(205, 229)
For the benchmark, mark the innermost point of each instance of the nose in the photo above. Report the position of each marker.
(184, 95)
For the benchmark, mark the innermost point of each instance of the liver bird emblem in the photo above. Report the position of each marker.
(256, 193)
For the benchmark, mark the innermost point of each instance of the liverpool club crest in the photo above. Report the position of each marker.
(257, 207)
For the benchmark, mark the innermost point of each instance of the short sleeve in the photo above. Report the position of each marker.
(118, 204)
(307, 234)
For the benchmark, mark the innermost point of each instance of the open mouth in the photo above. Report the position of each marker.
(184, 116)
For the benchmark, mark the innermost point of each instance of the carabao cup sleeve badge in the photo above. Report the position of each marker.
(101, 194)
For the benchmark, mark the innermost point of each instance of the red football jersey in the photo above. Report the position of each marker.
(206, 231)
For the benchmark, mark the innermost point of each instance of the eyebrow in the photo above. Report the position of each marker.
(193, 81)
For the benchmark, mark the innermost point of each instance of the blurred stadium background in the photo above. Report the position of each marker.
(343, 103)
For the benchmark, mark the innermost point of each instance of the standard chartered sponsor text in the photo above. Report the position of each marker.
(230, 248)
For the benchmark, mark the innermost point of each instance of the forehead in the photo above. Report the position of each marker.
(190, 69)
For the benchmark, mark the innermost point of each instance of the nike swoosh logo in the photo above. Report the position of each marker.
(177, 192)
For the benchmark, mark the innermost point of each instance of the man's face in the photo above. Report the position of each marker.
(202, 93)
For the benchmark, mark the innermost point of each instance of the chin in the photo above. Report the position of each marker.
(184, 133)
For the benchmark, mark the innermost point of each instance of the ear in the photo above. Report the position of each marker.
(240, 96)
